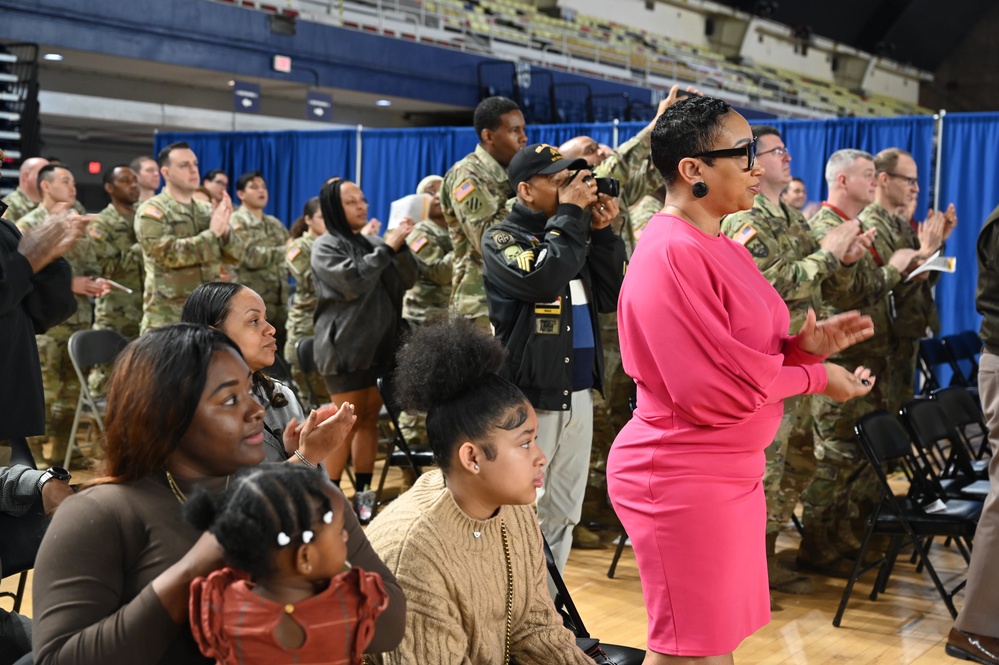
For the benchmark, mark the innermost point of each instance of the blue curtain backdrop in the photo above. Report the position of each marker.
(295, 164)
(969, 180)
(393, 161)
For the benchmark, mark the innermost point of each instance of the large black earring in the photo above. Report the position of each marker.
(700, 190)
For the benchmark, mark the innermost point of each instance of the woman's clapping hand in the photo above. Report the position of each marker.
(325, 430)
(827, 337)
(844, 385)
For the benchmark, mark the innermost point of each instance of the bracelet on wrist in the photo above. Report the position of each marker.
(305, 461)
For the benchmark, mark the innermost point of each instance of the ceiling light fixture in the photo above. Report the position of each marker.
(383, 102)
(55, 57)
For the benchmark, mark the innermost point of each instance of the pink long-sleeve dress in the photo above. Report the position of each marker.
(704, 335)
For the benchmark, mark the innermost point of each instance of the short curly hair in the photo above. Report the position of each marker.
(685, 129)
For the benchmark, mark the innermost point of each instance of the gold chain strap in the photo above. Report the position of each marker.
(509, 592)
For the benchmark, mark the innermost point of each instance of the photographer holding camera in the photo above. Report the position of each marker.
(549, 268)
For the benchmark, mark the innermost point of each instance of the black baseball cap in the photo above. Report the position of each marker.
(539, 159)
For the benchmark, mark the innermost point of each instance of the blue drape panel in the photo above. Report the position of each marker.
(294, 164)
(393, 161)
(969, 180)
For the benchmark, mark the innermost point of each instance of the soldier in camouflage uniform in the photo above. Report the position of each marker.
(113, 236)
(298, 259)
(431, 245)
(844, 486)
(61, 385)
(112, 233)
(915, 312)
(475, 196)
(183, 241)
(798, 266)
(263, 266)
(25, 198)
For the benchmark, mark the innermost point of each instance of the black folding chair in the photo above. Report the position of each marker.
(622, 542)
(962, 351)
(87, 349)
(931, 357)
(965, 413)
(611, 654)
(904, 520)
(400, 453)
(948, 462)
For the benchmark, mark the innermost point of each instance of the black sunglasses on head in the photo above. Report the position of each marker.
(748, 151)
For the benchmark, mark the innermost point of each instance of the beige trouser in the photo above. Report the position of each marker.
(565, 438)
(980, 614)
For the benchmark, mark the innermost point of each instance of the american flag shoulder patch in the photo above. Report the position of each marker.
(745, 234)
(462, 191)
(418, 244)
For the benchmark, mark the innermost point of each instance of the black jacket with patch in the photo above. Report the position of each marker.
(529, 260)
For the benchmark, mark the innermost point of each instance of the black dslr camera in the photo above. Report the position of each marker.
(608, 186)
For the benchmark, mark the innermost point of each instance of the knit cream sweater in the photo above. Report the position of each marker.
(456, 583)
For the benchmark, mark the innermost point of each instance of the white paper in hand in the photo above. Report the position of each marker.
(935, 262)
(414, 206)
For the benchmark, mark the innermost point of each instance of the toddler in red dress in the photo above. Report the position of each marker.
(287, 597)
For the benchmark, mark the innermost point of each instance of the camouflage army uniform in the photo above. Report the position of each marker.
(473, 197)
(431, 245)
(845, 486)
(298, 260)
(914, 308)
(18, 204)
(120, 258)
(631, 164)
(642, 212)
(263, 266)
(59, 380)
(791, 259)
(179, 253)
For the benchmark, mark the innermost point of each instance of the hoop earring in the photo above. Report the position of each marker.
(700, 190)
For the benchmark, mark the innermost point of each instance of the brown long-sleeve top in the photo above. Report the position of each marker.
(93, 595)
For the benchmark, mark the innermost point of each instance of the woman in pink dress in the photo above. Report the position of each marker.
(704, 335)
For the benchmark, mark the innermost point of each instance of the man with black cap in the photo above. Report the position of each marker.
(549, 268)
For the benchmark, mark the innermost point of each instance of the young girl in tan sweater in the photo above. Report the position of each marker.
(464, 542)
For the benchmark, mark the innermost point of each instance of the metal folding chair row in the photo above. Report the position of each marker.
(915, 519)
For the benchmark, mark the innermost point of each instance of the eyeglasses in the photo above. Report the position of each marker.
(780, 151)
(911, 182)
(748, 151)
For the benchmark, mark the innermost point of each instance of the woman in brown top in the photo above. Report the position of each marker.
(113, 574)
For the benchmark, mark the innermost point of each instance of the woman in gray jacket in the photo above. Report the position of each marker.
(360, 281)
